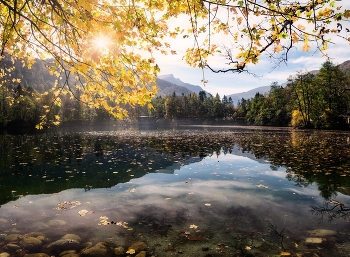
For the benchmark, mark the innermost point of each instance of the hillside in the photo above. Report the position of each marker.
(249, 94)
(170, 78)
(168, 88)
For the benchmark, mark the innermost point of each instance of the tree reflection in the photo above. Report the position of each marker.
(309, 157)
(331, 210)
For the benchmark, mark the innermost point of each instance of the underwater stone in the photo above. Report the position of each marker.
(13, 237)
(322, 232)
(30, 243)
(40, 225)
(63, 245)
(138, 246)
(119, 251)
(4, 254)
(36, 255)
(72, 236)
(141, 254)
(313, 240)
(69, 254)
(100, 249)
(12, 247)
(35, 234)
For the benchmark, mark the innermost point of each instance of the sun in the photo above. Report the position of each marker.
(102, 43)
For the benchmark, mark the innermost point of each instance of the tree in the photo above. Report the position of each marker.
(218, 111)
(278, 101)
(306, 99)
(333, 85)
(99, 46)
(320, 100)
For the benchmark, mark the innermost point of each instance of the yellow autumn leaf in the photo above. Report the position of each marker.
(130, 251)
(278, 48)
(347, 14)
(301, 27)
(285, 253)
(306, 47)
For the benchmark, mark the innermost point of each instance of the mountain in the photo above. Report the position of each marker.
(170, 78)
(168, 88)
(345, 66)
(249, 94)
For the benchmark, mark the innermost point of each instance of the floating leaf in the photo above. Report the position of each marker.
(193, 226)
(83, 212)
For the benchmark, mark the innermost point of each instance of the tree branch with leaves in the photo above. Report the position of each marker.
(105, 49)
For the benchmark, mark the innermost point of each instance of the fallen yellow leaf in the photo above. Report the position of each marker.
(285, 253)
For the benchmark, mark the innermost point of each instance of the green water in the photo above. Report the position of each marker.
(199, 191)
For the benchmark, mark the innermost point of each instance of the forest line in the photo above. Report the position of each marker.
(307, 101)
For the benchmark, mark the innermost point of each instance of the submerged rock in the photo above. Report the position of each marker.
(141, 254)
(40, 225)
(70, 253)
(72, 236)
(100, 249)
(138, 246)
(36, 255)
(30, 243)
(63, 245)
(119, 251)
(322, 232)
(4, 254)
(39, 235)
(12, 247)
(56, 223)
(313, 240)
(35, 234)
(13, 237)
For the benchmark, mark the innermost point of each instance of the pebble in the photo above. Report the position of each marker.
(72, 236)
(63, 245)
(322, 232)
(12, 237)
(36, 255)
(138, 246)
(313, 240)
(100, 249)
(12, 247)
(30, 243)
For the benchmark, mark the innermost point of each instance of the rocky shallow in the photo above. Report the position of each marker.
(174, 243)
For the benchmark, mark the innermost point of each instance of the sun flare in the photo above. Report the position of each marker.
(102, 43)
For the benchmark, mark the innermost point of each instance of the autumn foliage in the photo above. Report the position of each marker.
(106, 48)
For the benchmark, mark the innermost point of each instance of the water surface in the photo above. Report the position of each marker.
(194, 191)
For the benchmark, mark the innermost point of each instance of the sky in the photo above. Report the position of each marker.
(262, 74)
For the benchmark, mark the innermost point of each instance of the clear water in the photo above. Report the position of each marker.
(193, 192)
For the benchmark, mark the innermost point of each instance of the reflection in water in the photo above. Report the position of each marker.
(195, 193)
(331, 210)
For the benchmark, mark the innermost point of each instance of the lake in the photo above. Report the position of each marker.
(184, 191)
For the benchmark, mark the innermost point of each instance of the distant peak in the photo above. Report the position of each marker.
(166, 76)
